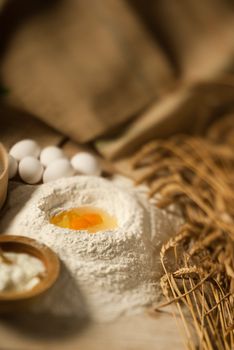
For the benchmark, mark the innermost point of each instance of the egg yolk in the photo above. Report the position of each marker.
(84, 218)
(85, 221)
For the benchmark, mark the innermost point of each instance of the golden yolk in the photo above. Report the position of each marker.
(85, 221)
(85, 218)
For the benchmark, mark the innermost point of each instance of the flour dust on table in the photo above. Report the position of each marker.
(104, 274)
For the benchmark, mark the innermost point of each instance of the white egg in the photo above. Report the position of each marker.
(59, 168)
(86, 163)
(30, 170)
(25, 148)
(13, 166)
(50, 154)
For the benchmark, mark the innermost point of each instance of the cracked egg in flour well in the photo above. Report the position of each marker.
(106, 274)
(90, 219)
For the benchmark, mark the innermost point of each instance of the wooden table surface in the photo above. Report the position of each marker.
(25, 332)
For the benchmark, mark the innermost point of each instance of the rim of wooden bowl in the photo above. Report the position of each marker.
(5, 161)
(21, 244)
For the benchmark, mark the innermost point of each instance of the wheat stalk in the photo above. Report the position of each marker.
(197, 174)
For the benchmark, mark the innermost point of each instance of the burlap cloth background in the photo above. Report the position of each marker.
(118, 72)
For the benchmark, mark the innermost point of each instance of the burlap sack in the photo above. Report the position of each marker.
(82, 66)
(86, 67)
(196, 35)
(187, 109)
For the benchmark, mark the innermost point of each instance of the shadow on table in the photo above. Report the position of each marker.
(13, 205)
(45, 326)
(61, 312)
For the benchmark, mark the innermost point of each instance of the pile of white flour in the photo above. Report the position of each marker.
(105, 274)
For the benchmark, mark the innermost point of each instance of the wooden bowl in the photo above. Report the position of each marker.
(14, 301)
(3, 174)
